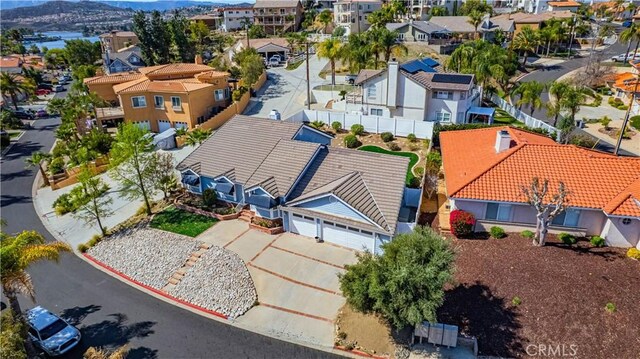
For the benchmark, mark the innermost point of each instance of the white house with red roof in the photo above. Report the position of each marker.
(485, 170)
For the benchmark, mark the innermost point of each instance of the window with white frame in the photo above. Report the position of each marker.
(443, 116)
(371, 92)
(400, 36)
(443, 95)
(219, 94)
(158, 101)
(176, 103)
(138, 101)
(498, 211)
(421, 37)
(567, 218)
(376, 112)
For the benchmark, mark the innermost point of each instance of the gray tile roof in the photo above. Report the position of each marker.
(239, 147)
(429, 27)
(372, 183)
(126, 54)
(365, 75)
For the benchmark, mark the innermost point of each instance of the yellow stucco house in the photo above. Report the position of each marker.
(160, 97)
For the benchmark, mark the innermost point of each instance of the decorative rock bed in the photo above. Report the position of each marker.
(218, 281)
(147, 255)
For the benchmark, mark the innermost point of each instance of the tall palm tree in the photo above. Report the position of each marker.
(324, 18)
(530, 93)
(526, 41)
(17, 254)
(331, 49)
(557, 89)
(36, 159)
(573, 99)
(11, 86)
(475, 19)
(384, 41)
(629, 35)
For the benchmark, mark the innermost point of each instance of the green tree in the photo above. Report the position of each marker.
(132, 163)
(197, 136)
(629, 35)
(470, 6)
(199, 33)
(96, 205)
(55, 58)
(81, 52)
(161, 38)
(142, 30)
(12, 336)
(256, 32)
(475, 19)
(182, 44)
(557, 89)
(324, 18)
(406, 283)
(12, 87)
(163, 175)
(526, 41)
(331, 49)
(573, 98)
(530, 95)
(386, 42)
(358, 52)
(36, 159)
(33, 49)
(439, 11)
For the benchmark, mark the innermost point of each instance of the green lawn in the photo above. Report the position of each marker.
(337, 87)
(182, 222)
(413, 158)
(503, 118)
(14, 134)
(294, 65)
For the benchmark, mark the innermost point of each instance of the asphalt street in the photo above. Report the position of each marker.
(108, 312)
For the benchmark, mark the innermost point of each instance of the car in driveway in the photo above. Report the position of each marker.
(622, 56)
(275, 60)
(51, 333)
(58, 88)
(627, 23)
(23, 115)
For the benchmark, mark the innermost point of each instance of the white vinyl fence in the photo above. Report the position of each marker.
(521, 116)
(372, 124)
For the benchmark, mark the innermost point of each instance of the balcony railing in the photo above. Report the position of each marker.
(109, 113)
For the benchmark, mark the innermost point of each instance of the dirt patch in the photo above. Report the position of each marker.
(562, 291)
(368, 332)
(614, 132)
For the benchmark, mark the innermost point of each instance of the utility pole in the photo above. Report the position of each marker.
(626, 117)
(308, 84)
(573, 26)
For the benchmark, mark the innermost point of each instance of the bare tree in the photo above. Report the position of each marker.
(546, 210)
(431, 177)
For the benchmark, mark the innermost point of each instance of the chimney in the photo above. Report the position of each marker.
(503, 141)
(198, 60)
(392, 82)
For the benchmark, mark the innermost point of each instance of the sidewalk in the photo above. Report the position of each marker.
(631, 145)
(74, 231)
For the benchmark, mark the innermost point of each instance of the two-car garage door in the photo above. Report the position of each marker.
(333, 232)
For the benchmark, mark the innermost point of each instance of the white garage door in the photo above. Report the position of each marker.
(347, 236)
(163, 125)
(303, 225)
(143, 124)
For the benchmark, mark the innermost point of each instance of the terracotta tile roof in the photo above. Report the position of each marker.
(172, 69)
(172, 86)
(563, 3)
(10, 61)
(594, 179)
(210, 75)
(258, 43)
(141, 81)
(113, 79)
(626, 82)
(275, 3)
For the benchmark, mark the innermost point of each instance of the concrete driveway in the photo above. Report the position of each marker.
(295, 277)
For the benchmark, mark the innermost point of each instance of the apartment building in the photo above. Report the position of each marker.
(235, 18)
(352, 14)
(278, 16)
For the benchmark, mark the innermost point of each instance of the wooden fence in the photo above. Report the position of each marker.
(70, 176)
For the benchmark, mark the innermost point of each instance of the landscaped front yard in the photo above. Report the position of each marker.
(182, 222)
(510, 294)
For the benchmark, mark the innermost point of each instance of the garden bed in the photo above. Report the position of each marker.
(267, 226)
(222, 211)
(182, 222)
(562, 293)
(413, 159)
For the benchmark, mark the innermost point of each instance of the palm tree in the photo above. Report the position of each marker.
(331, 49)
(630, 34)
(324, 18)
(18, 253)
(530, 93)
(197, 136)
(527, 41)
(475, 19)
(36, 159)
(12, 87)
(573, 98)
(557, 89)
(358, 52)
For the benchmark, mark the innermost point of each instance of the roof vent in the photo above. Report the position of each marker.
(503, 141)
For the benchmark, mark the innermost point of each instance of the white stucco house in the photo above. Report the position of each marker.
(417, 90)
(485, 170)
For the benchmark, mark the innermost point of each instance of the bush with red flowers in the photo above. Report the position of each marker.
(461, 223)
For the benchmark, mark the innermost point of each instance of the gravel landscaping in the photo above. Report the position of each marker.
(219, 281)
(147, 255)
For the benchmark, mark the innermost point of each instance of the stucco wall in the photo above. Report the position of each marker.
(618, 234)
(332, 206)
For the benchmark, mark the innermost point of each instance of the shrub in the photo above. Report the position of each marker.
(342, 335)
(419, 171)
(434, 159)
(597, 241)
(209, 197)
(527, 234)
(351, 141)
(393, 146)
(82, 247)
(357, 129)
(497, 232)
(56, 165)
(516, 301)
(582, 140)
(634, 253)
(461, 223)
(605, 121)
(317, 124)
(336, 125)
(635, 122)
(414, 182)
(63, 204)
(5, 141)
(94, 240)
(610, 307)
(224, 210)
(567, 238)
(413, 146)
(386, 136)
(411, 137)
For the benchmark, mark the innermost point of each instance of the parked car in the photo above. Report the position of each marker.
(62, 81)
(45, 87)
(58, 88)
(51, 333)
(350, 79)
(42, 92)
(627, 23)
(622, 56)
(23, 115)
(275, 60)
(42, 113)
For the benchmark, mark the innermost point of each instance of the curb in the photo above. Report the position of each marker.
(154, 290)
(358, 353)
(11, 143)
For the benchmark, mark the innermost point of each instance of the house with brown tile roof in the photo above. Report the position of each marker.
(160, 97)
(417, 90)
(604, 190)
(288, 171)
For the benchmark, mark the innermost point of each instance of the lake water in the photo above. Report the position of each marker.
(65, 35)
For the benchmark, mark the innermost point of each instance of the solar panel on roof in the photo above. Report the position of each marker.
(427, 65)
(452, 79)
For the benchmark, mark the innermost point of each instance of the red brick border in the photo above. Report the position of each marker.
(154, 290)
(236, 237)
(292, 280)
(264, 249)
(291, 311)
(308, 257)
(358, 352)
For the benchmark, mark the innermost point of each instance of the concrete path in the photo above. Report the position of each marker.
(74, 231)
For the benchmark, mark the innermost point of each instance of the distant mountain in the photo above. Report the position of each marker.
(57, 8)
(160, 5)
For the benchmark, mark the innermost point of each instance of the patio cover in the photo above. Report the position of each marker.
(486, 111)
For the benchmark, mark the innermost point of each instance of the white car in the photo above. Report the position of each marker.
(275, 60)
(629, 57)
(51, 333)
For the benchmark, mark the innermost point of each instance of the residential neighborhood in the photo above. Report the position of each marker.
(310, 179)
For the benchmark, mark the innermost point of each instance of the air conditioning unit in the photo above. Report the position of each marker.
(436, 332)
(450, 335)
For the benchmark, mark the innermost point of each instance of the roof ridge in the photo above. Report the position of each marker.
(376, 202)
(262, 162)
